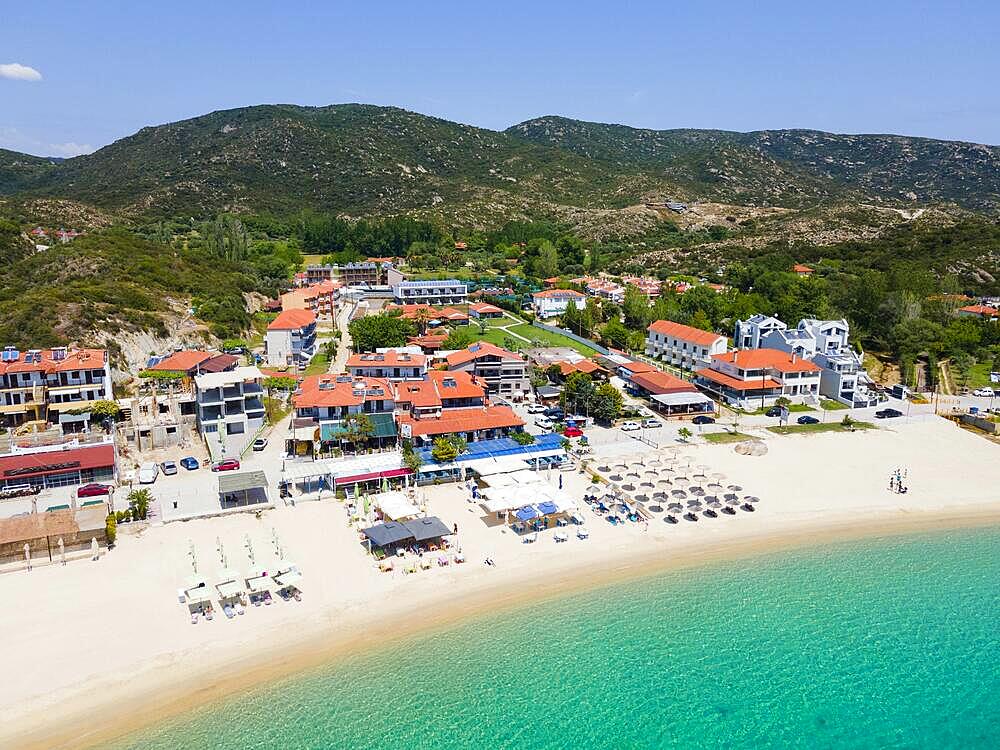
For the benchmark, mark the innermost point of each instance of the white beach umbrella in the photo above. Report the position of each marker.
(95, 550)
(62, 551)
(27, 554)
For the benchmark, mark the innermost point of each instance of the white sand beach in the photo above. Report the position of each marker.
(90, 635)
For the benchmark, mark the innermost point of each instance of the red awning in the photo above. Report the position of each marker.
(373, 475)
(56, 462)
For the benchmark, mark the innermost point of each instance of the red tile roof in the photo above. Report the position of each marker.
(45, 361)
(685, 333)
(339, 390)
(391, 358)
(477, 350)
(463, 420)
(289, 320)
(558, 294)
(735, 383)
(181, 361)
(483, 307)
(56, 462)
(799, 268)
(637, 367)
(584, 365)
(983, 310)
(772, 359)
(662, 382)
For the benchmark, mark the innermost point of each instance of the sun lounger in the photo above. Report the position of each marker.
(458, 557)
(582, 533)
(229, 612)
(561, 536)
(194, 618)
(411, 568)
(443, 560)
(531, 538)
(425, 563)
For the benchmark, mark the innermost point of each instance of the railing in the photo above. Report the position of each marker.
(578, 339)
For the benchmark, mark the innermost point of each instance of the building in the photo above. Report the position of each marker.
(584, 366)
(431, 315)
(629, 368)
(371, 272)
(315, 273)
(391, 364)
(754, 378)
(191, 362)
(683, 346)
(53, 385)
(321, 298)
(330, 404)
(750, 333)
(230, 409)
(438, 392)
(429, 343)
(483, 310)
(504, 372)
(60, 466)
(671, 396)
(472, 425)
(802, 270)
(645, 284)
(431, 292)
(291, 339)
(551, 303)
(982, 312)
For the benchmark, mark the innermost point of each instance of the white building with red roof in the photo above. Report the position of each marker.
(683, 346)
(391, 364)
(983, 312)
(551, 303)
(291, 339)
(55, 385)
(504, 372)
(753, 378)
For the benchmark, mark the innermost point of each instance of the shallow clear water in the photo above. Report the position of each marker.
(886, 643)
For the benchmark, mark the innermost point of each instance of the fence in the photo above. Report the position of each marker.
(578, 339)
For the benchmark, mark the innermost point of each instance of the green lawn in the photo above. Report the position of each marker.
(820, 427)
(979, 375)
(719, 438)
(318, 365)
(546, 338)
(791, 408)
(830, 405)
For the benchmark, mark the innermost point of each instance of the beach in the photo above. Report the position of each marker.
(89, 636)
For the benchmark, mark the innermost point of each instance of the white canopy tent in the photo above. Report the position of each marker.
(394, 505)
(228, 586)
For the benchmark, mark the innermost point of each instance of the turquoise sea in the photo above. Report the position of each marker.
(889, 643)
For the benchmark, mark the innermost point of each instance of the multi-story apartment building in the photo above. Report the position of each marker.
(553, 302)
(390, 364)
(328, 402)
(753, 378)
(321, 298)
(54, 385)
(824, 342)
(230, 409)
(683, 346)
(319, 272)
(502, 371)
(291, 338)
(431, 292)
(375, 272)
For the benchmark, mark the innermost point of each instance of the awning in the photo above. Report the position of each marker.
(242, 481)
(257, 584)
(526, 513)
(289, 578)
(547, 508)
(680, 399)
(394, 505)
(423, 529)
(384, 534)
(373, 475)
(383, 426)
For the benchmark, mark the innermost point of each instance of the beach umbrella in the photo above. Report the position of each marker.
(526, 513)
(654, 508)
(713, 503)
(634, 474)
(604, 469)
(679, 493)
(714, 486)
(560, 481)
(647, 484)
(616, 477)
(752, 499)
(95, 551)
(734, 487)
(651, 473)
(731, 496)
(664, 483)
(675, 506)
(628, 487)
(547, 508)
(694, 503)
(62, 551)
(27, 554)
(660, 494)
(717, 475)
(732, 500)
(696, 490)
(641, 498)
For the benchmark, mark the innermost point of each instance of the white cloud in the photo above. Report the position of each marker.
(18, 72)
(17, 140)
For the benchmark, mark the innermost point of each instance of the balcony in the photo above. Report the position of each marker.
(254, 406)
(210, 396)
(232, 392)
(211, 414)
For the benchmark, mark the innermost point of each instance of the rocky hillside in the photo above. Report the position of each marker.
(366, 160)
(786, 167)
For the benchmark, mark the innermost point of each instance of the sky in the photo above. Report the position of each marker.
(77, 76)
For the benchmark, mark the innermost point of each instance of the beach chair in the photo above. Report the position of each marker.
(385, 565)
(442, 561)
(531, 538)
(582, 533)
(561, 536)
(425, 563)
(458, 557)
(411, 568)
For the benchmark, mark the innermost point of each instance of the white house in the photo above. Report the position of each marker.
(390, 364)
(750, 332)
(553, 302)
(431, 292)
(230, 409)
(291, 338)
(754, 378)
(683, 346)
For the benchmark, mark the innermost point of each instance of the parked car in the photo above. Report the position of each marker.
(148, 473)
(228, 464)
(888, 413)
(774, 411)
(94, 489)
(630, 426)
(168, 468)
(536, 408)
(806, 419)
(189, 462)
(984, 392)
(573, 432)
(544, 422)
(651, 423)
(260, 444)
(703, 420)
(19, 490)
(554, 412)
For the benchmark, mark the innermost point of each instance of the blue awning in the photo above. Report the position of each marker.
(526, 513)
(547, 508)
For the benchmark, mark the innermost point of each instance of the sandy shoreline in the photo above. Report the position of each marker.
(146, 657)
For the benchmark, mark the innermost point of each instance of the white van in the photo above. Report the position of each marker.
(148, 473)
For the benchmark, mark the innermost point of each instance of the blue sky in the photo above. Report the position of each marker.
(108, 69)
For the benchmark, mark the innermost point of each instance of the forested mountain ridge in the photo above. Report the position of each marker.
(365, 160)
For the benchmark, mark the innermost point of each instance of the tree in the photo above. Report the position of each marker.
(614, 335)
(547, 263)
(357, 428)
(373, 332)
(635, 308)
(111, 529)
(578, 392)
(411, 459)
(280, 383)
(522, 438)
(684, 433)
(782, 401)
(607, 403)
(459, 338)
(700, 320)
(104, 409)
(448, 448)
(572, 319)
(138, 504)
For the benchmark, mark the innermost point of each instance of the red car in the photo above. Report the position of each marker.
(572, 432)
(93, 490)
(228, 465)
